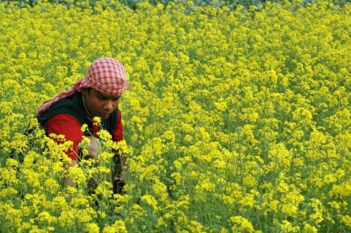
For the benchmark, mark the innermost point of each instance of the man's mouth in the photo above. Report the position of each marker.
(105, 115)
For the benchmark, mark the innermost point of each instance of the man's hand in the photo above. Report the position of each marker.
(94, 147)
(67, 181)
(120, 175)
(118, 184)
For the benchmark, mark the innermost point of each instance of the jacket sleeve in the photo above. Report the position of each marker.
(117, 134)
(70, 127)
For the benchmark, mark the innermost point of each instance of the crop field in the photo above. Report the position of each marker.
(237, 120)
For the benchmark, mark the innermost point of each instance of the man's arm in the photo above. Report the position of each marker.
(121, 173)
(67, 181)
(120, 159)
(70, 127)
(94, 149)
(64, 124)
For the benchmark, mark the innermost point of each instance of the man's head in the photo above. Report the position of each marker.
(106, 79)
(103, 86)
(99, 104)
(107, 76)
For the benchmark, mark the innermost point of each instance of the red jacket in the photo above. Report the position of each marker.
(70, 127)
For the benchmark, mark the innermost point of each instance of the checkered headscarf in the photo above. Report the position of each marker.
(105, 75)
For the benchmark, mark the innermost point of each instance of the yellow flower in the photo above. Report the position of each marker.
(346, 219)
(104, 135)
(150, 200)
(11, 163)
(92, 228)
(97, 120)
(241, 224)
(84, 127)
(117, 227)
(221, 105)
(45, 218)
(309, 229)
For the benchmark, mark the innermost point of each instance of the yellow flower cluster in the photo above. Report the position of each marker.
(236, 121)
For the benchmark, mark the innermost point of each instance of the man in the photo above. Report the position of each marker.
(97, 95)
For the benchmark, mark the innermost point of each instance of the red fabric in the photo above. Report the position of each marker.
(70, 127)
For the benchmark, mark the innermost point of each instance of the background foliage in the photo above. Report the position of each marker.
(190, 5)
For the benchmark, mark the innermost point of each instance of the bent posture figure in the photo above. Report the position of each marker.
(97, 95)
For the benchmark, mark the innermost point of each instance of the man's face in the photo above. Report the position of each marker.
(99, 104)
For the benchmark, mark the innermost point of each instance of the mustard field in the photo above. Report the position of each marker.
(236, 120)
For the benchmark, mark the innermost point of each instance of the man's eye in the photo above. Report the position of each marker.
(115, 99)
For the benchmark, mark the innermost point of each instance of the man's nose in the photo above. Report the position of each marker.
(109, 105)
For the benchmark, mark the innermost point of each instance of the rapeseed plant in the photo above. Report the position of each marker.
(237, 121)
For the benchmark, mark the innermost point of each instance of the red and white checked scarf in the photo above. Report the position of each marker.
(105, 75)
